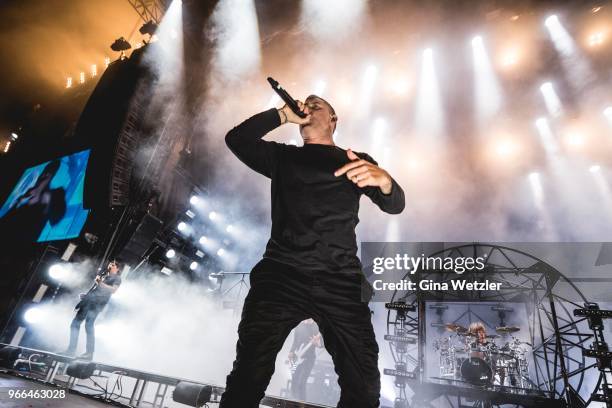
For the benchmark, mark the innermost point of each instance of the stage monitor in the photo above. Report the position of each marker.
(47, 201)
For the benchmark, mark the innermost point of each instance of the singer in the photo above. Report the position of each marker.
(310, 267)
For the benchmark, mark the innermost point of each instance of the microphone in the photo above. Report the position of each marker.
(286, 97)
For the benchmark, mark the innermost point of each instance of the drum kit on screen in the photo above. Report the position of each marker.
(479, 360)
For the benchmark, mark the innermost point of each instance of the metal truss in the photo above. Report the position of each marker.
(558, 338)
(149, 9)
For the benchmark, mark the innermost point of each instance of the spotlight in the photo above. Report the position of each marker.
(509, 59)
(221, 252)
(193, 266)
(148, 28)
(120, 45)
(182, 226)
(229, 228)
(551, 21)
(595, 39)
(171, 253)
(213, 215)
(57, 271)
(194, 395)
(595, 168)
(33, 315)
(14, 136)
(190, 214)
(194, 200)
(203, 240)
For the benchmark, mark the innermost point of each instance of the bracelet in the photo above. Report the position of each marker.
(284, 116)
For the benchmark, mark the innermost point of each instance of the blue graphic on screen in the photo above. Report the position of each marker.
(47, 202)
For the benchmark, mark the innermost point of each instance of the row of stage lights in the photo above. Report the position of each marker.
(206, 243)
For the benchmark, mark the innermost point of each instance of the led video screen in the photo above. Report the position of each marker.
(46, 204)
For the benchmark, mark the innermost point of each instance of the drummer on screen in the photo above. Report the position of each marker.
(477, 330)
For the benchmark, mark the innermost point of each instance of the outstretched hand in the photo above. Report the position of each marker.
(364, 174)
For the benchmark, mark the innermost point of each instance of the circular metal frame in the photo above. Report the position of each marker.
(557, 337)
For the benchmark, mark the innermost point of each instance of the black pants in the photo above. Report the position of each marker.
(89, 311)
(279, 299)
(299, 379)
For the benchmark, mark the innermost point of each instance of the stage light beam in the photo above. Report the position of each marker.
(546, 137)
(429, 113)
(236, 32)
(487, 89)
(332, 21)
(551, 99)
(578, 69)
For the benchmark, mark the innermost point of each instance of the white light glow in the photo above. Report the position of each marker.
(595, 168)
(429, 114)
(193, 266)
(536, 188)
(487, 89)
(332, 21)
(57, 272)
(203, 240)
(213, 215)
(171, 253)
(182, 226)
(236, 33)
(319, 87)
(33, 315)
(221, 252)
(552, 101)
(546, 136)
(576, 66)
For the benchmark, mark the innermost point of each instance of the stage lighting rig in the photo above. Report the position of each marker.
(191, 394)
(120, 45)
(150, 27)
(599, 350)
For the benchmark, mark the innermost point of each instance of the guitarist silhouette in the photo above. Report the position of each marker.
(90, 306)
(302, 356)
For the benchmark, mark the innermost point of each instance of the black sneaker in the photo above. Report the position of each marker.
(86, 356)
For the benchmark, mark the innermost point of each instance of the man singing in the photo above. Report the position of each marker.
(310, 267)
(89, 308)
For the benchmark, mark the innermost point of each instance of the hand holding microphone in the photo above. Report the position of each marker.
(287, 115)
(293, 111)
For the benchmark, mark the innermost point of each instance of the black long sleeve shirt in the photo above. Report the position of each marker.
(314, 213)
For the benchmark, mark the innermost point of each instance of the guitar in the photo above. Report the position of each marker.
(300, 353)
(84, 297)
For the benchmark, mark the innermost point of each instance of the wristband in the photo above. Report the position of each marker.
(283, 116)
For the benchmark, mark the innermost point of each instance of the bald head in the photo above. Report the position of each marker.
(323, 121)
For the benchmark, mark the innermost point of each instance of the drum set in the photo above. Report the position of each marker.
(466, 357)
